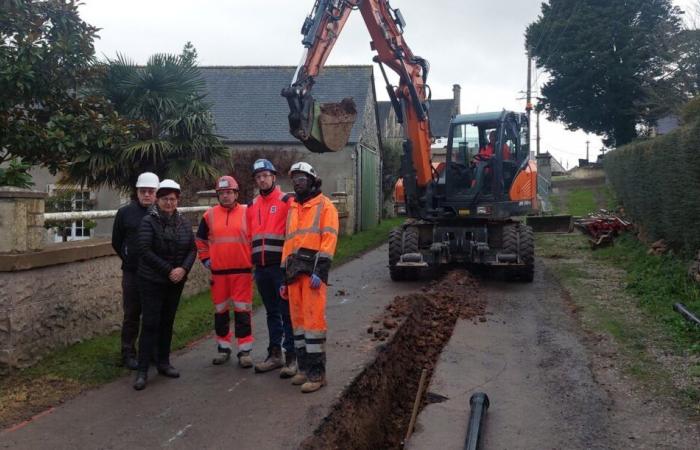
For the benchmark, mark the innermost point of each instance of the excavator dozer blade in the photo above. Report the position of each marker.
(551, 224)
(322, 127)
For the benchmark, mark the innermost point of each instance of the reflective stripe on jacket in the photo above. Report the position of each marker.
(312, 226)
(267, 216)
(223, 238)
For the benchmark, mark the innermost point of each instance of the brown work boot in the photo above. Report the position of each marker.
(290, 366)
(272, 362)
(313, 385)
(244, 359)
(299, 379)
(223, 356)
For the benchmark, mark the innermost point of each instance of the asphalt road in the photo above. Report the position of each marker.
(225, 407)
(546, 386)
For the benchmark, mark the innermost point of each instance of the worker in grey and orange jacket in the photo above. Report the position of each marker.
(309, 246)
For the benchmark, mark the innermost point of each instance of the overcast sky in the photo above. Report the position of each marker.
(477, 44)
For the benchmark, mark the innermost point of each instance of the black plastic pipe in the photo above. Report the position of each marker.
(479, 403)
(686, 313)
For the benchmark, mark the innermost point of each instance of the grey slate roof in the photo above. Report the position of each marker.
(248, 107)
(440, 114)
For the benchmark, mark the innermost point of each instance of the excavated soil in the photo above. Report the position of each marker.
(374, 411)
(346, 107)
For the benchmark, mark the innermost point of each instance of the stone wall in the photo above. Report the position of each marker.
(21, 220)
(62, 295)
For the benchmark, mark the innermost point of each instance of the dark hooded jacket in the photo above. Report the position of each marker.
(165, 243)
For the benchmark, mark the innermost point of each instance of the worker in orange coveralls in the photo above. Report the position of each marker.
(309, 246)
(223, 243)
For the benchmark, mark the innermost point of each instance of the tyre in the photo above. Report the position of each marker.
(411, 245)
(527, 253)
(395, 250)
(519, 239)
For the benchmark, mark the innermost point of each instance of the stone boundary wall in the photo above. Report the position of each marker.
(62, 295)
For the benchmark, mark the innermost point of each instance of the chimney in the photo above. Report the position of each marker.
(456, 99)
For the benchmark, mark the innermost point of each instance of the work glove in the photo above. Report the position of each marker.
(315, 281)
(284, 292)
(207, 263)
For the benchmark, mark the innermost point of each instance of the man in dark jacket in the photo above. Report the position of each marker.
(124, 241)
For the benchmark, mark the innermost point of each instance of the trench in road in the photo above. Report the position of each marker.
(375, 410)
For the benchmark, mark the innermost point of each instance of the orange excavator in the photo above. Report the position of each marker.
(466, 213)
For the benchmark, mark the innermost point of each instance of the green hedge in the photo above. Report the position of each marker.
(658, 183)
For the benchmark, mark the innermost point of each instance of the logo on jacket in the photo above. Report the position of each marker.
(273, 209)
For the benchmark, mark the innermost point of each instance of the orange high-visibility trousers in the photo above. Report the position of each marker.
(307, 308)
(233, 290)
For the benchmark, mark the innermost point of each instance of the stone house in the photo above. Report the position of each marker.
(251, 118)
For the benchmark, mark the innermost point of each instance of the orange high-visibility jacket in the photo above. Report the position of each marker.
(267, 218)
(312, 226)
(223, 238)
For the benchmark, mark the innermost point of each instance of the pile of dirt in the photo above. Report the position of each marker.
(346, 107)
(375, 409)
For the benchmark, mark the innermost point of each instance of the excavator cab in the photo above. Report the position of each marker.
(486, 162)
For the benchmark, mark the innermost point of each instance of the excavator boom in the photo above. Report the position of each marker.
(327, 127)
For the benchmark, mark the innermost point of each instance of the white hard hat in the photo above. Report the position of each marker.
(169, 184)
(148, 180)
(303, 167)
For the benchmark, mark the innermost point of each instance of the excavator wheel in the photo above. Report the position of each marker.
(395, 250)
(527, 253)
(410, 245)
(520, 240)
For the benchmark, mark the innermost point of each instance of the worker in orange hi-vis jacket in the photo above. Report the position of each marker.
(309, 246)
(223, 243)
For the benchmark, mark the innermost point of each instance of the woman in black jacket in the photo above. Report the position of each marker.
(166, 243)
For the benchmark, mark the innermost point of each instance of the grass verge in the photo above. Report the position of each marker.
(626, 296)
(93, 362)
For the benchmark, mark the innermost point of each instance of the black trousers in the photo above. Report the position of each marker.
(159, 304)
(131, 305)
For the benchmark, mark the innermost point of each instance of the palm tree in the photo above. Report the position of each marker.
(171, 125)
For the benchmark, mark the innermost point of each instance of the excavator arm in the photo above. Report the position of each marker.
(327, 127)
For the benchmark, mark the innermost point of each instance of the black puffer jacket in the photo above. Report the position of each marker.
(165, 243)
(125, 234)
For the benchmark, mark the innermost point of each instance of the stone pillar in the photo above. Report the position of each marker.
(21, 220)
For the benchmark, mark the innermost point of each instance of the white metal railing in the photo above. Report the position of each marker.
(87, 215)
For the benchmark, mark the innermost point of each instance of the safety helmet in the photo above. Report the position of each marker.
(226, 182)
(148, 180)
(168, 184)
(261, 165)
(303, 167)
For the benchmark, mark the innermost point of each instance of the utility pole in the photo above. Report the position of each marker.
(587, 142)
(537, 111)
(528, 104)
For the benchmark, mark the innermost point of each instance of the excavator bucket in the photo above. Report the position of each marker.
(322, 127)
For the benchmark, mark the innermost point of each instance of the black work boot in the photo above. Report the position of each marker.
(272, 362)
(141, 380)
(130, 362)
(168, 371)
(223, 357)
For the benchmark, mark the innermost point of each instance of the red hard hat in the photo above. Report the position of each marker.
(226, 182)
